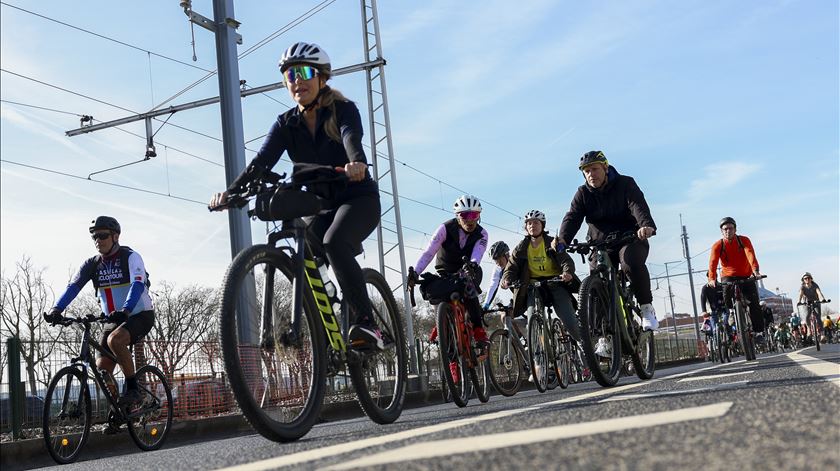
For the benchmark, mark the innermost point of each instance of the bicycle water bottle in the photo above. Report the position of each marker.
(110, 383)
(325, 277)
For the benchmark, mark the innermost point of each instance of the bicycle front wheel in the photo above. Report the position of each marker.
(815, 331)
(743, 333)
(478, 376)
(538, 351)
(150, 428)
(452, 362)
(599, 326)
(644, 358)
(505, 363)
(380, 378)
(66, 421)
(562, 354)
(279, 386)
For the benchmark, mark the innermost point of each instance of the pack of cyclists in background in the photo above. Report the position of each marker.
(120, 279)
(713, 306)
(456, 240)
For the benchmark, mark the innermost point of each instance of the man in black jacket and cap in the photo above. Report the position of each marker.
(611, 202)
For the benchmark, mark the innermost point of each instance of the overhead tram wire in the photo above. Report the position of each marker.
(127, 187)
(102, 36)
(288, 26)
(117, 128)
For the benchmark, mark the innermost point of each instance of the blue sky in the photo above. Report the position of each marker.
(716, 108)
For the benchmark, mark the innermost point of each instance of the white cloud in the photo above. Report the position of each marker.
(720, 176)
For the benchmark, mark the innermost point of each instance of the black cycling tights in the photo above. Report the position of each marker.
(342, 231)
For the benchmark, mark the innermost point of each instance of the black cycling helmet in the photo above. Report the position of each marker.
(105, 222)
(727, 220)
(498, 249)
(592, 157)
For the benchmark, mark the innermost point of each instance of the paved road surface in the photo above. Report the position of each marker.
(779, 412)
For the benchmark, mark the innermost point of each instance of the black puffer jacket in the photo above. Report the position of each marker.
(619, 205)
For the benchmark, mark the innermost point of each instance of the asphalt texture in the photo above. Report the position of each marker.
(771, 413)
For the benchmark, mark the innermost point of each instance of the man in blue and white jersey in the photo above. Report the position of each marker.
(120, 279)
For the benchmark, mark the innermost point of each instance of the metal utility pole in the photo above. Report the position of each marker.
(233, 138)
(673, 312)
(690, 280)
(380, 130)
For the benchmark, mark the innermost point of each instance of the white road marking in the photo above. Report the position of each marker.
(455, 446)
(675, 392)
(723, 375)
(826, 370)
(332, 450)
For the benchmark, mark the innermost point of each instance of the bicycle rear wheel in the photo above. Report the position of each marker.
(644, 358)
(562, 354)
(150, 428)
(279, 387)
(538, 351)
(597, 322)
(66, 421)
(380, 378)
(453, 365)
(505, 363)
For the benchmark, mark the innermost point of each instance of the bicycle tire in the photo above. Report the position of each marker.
(65, 448)
(562, 353)
(505, 363)
(157, 390)
(449, 351)
(385, 405)
(815, 330)
(277, 423)
(740, 319)
(644, 358)
(595, 318)
(538, 351)
(478, 376)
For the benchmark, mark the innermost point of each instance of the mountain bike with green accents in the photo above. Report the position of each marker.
(283, 343)
(608, 310)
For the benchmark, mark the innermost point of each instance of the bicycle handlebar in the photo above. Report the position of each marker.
(65, 321)
(824, 301)
(267, 181)
(749, 279)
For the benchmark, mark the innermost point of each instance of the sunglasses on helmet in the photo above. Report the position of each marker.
(469, 215)
(302, 72)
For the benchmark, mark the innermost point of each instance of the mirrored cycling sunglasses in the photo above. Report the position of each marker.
(100, 235)
(303, 72)
(469, 215)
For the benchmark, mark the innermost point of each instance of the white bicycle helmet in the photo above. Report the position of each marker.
(466, 203)
(306, 53)
(535, 214)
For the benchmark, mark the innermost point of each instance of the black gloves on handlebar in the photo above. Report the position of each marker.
(412, 279)
(54, 316)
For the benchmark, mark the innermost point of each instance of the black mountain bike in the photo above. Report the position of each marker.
(608, 310)
(742, 319)
(507, 355)
(813, 320)
(276, 356)
(67, 405)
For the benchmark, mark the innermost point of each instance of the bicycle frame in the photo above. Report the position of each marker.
(619, 296)
(463, 332)
(304, 266)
